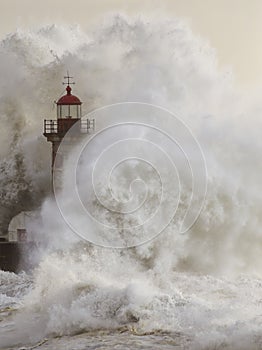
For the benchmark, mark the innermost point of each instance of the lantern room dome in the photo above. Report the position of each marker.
(69, 99)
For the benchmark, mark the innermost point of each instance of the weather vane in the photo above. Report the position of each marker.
(68, 80)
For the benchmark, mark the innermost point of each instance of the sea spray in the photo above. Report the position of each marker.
(173, 283)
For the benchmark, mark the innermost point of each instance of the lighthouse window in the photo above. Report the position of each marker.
(65, 111)
(68, 111)
(75, 111)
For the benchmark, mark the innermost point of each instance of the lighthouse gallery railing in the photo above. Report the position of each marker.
(51, 126)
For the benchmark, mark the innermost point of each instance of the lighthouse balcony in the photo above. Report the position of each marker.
(62, 126)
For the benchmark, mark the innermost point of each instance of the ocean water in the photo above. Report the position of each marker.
(199, 288)
(191, 311)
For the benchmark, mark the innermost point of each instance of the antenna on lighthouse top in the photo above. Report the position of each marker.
(68, 80)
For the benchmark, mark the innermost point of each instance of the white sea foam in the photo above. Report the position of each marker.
(195, 283)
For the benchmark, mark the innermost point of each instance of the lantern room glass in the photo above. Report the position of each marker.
(68, 111)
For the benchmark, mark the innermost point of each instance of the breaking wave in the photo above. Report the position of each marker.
(172, 283)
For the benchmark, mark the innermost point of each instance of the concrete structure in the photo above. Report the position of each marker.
(21, 226)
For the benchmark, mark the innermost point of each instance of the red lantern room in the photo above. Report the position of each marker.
(68, 109)
(69, 106)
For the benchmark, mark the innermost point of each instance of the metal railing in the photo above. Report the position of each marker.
(87, 125)
(53, 127)
(50, 126)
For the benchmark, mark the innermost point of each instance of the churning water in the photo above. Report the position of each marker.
(198, 290)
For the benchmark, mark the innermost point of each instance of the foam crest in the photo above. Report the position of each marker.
(161, 284)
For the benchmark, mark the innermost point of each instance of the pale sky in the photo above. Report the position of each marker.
(233, 27)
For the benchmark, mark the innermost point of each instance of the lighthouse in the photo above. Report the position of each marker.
(69, 112)
(18, 244)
